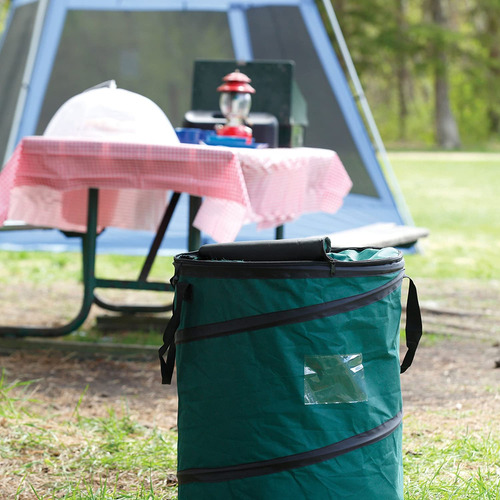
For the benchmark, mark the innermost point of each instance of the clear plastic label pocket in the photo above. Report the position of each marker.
(334, 379)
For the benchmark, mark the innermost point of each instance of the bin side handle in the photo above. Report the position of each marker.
(167, 350)
(413, 326)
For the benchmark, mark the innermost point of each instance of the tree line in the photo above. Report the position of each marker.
(430, 68)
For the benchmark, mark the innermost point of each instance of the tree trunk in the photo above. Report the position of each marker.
(492, 27)
(447, 134)
(402, 73)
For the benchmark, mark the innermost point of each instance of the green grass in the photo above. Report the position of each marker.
(457, 199)
(52, 268)
(48, 455)
(460, 460)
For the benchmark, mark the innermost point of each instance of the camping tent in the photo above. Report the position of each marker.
(51, 50)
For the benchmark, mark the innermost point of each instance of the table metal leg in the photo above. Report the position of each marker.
(160, 233)
(194, 240)
(146, 268)
(141, 283)
(88, 276)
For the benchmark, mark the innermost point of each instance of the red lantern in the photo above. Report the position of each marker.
(235, 103)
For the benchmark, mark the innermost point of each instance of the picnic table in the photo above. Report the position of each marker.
(84, 186)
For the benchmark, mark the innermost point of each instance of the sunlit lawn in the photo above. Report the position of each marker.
(456, 197)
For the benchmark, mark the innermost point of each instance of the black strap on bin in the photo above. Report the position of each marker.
(413, 325)
(269, 250)
(168, 347)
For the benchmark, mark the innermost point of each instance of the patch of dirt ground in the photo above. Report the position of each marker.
(456, 368)
(61, 380)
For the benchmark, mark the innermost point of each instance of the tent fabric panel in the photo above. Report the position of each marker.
(14, 4)
(163, 74)
(344, 96)
(13, 56)
(280, 33)
(149, 5)
(240, 35)
(357, 211)
(53, 23)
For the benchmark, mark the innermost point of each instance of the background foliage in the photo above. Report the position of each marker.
(394, 45)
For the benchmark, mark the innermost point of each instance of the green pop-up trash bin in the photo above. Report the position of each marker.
(288, 371)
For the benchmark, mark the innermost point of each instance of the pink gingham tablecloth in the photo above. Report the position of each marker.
(46, 182)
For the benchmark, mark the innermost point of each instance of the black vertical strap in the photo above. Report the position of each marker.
(168, 347)
(413, 325)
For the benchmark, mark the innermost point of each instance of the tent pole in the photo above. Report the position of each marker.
(28, 70)
(360, 95)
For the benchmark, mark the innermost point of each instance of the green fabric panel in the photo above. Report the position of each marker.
(365, 254)
(275, 392)
(370, 473)
(241, 397)
(215, 300)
